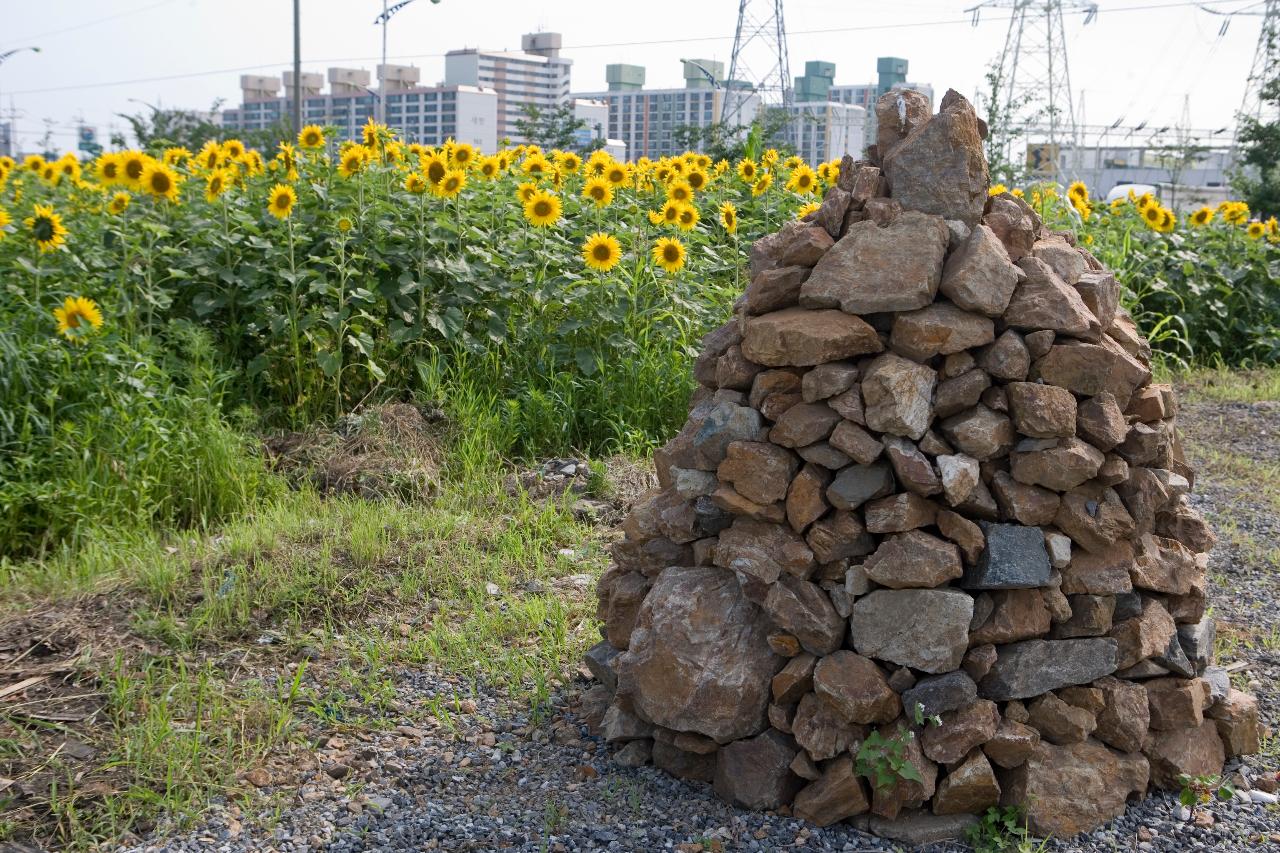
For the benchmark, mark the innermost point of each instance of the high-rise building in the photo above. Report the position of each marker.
(661, 122)
(817, 86)
(825, 130)
(535, 76)
(426, 114)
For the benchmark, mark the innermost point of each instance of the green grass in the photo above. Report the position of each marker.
(369, 587)
(1225, 385)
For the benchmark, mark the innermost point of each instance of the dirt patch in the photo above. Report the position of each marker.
(388, 451)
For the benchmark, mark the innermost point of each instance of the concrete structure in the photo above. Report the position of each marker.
(537, 75)
(649, 121)
(1181, 184)
(891, 74)
(426, 114)
(825, 130)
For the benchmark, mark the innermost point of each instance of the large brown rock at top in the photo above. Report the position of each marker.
(795, 337)
(979, 276)
(1192, 752)
(774, 289)
(1045, 301)
(1236, 717)
(699, 659)
(898, 114)
(1073, 788)
(1042, 411)
(763, 551)
(925, 629)
(940, 168)
(897, 395)
(1125, 715)
(874, 269)
(755, 773)
(1032, 667)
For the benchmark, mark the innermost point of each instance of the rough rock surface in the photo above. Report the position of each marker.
(926, 474)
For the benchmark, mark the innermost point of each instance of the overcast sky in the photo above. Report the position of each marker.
(1131, 63)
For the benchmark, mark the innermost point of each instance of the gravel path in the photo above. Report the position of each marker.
(509, 781)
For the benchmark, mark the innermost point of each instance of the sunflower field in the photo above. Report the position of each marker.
(159, 308)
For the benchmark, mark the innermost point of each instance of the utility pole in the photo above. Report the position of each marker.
(1034, 61)
(760, 21)
(13, 122)
(297, 66)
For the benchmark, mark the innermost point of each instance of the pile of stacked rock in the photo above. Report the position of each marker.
(926, 475)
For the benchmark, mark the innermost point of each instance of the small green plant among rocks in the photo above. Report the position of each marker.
(884, 760)
(1200, 790)
(1003, 829)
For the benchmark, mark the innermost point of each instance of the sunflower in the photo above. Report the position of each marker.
(829, 172)
(769, 157)
(415, 183)
(1017, 192)
(216, 184)
(671, 212)
(33, 163)
(997, 189)
(663, 174)
(729, 217)
(4, 220)
(601, 252)
(655, 217)
(353, 161)
(210, 155)
(281, 200)
(176, 155)
(542, 209)
(233, 148)
(372, 132)
(747, 170)
(761, 186)
(535, 165)
(1167, 221)
(451, 184)
(1236, 212)
(7, 163)
(70, 167)
(1273, 229)
(1151, 215)
(51, 174)
(433, 166)
(687, 218)
(133, 163)
(599, 191)
(463, 155)
(678, 167)
(77, 317)
(1202, 217)
(160, 181)
(698, 180)
(489, 168)
(617, 174)
(793, 162)
(119, 203)
(1078, 191)
(526, 191)
(1256, 230)
(46, 227)
(668, 253)
(311, 136)
(680, 191)
(344, 224)
(806, 209)
(803, 180)
(107, 169)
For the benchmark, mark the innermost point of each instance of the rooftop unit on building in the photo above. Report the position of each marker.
(348, 81)
(399, 78)
(311, 82)
(255, 87)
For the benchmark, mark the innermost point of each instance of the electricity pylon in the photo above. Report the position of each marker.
(760, 59)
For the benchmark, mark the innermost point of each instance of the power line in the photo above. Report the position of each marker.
(1178, 4)
(83, 24)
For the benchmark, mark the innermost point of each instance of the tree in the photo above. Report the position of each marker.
(557, 127)
(735, 142)
(1258, 182)
(1007, 120)
(165, 128)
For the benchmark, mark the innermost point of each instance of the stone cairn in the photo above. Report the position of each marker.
(928, 491)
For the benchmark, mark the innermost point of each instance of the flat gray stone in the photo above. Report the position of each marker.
(926, 629)
(1033, 667)
(940, 693)
(1015, 558)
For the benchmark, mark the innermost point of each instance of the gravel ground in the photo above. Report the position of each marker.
(509, 781)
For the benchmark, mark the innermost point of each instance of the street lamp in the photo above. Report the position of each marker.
(387, 12)
(13, 133)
